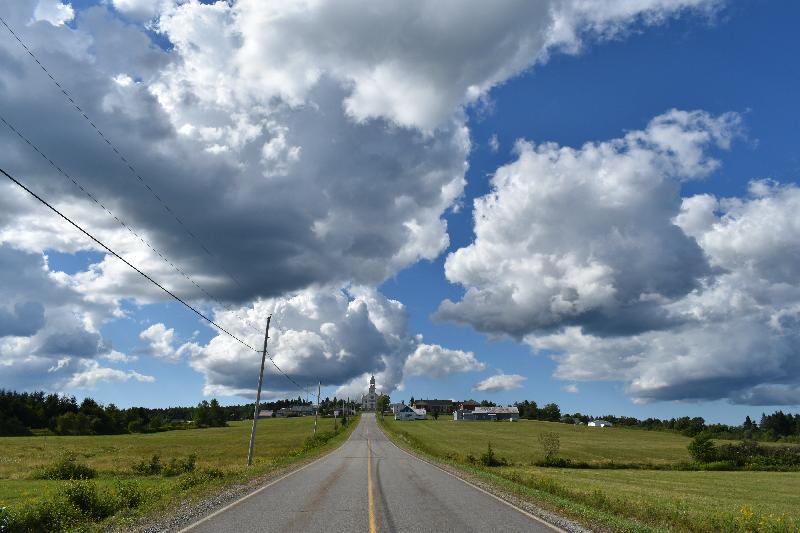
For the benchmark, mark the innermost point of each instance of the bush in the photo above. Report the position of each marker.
(149, 468)
(67, 467)
(702, 448)
(491, 459)
(318, 439)
(191, 479)
(83, 496)
(50, 515)
(176, 467)
(129, 494)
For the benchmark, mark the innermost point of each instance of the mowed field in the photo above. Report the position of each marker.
(643, 496)
(278, 443)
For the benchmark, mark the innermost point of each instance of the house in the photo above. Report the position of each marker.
(346, 411)
(600, 424)
(302, 410)
(409, 413)
(266, 413)
(435, 406)
(488, 413)
(394, 407)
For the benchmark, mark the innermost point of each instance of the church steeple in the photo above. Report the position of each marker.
(372, 384)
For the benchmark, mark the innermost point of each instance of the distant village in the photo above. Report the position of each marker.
(460, 411)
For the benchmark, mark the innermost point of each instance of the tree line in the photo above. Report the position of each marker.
(27, 413)
(778, 426)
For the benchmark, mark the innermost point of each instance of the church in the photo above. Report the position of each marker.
(369, 401)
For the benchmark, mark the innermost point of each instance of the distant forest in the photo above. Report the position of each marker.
(778, 426)
(24, 413)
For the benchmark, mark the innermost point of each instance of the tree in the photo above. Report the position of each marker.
(382, 404)
(202, 414)
(436, 415)
(551, 444)
(550, 412)
(702, 448)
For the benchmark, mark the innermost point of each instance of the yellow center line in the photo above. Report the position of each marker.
(372, 528)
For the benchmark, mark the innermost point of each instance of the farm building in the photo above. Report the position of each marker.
(487, 413)
(468, 405)
(443, 407)
(600, 424)
(409, 413)
(266, 413)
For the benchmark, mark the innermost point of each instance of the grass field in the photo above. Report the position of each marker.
(627, 499)
(279, 442)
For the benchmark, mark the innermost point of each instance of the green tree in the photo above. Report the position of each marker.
(202, 414)
(551, 444)
(382, 404)
(702, 448)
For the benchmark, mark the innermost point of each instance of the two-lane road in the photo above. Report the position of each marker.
(369, 484)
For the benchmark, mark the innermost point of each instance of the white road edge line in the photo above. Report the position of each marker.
(496, 497)
(271, 483)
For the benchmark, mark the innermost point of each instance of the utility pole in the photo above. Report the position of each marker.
(316, 412)
(258, 396)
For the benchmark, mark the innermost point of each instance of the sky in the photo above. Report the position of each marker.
(552, 201)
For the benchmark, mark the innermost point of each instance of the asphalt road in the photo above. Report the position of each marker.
(370, 485)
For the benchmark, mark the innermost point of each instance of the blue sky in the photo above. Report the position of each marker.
(737, 57)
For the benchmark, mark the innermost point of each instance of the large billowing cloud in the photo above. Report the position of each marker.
(586, 236)
(306, 144)
(592, 256)
(321, 334)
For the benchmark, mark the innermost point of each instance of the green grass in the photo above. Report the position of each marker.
(633, 499)
(279, 442)
(519, 441)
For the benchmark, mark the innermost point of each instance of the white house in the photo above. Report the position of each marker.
(406, 412)
(600, 424)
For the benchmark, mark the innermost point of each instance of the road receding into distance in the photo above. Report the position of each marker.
(369, 484)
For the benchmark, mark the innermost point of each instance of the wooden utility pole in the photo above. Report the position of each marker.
(258, 396)
(319, 384)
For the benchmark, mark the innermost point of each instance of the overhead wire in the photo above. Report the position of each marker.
(124, 224)
(128, 164)
(144, 183)
(118, 256)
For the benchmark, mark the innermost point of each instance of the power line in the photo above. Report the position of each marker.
(115, 254)
(122, 158)
(125, 225)
(133, 171)
(144, 275)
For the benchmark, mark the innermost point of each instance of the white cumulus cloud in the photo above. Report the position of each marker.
(500, 383)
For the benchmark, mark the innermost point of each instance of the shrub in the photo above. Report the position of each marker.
(49, 515)
(83, 496)
(491, 459)
(67, 467)
(702, 448)
(176, 467)
(130, 494)
(151, 468)
(318, 439)
(550, 443)
(191, 479)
